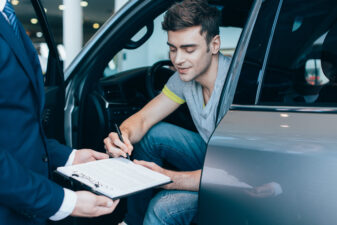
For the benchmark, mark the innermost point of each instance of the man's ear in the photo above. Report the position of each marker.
(215, 44)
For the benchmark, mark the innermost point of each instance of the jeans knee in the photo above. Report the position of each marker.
(151, 140)
(157, 211)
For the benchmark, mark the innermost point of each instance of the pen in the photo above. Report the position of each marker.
(121, 138)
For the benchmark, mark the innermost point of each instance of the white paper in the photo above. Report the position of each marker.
(115, 177)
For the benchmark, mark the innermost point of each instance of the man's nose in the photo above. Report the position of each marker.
(180, 58)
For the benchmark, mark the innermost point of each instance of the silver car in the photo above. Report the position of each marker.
(272, 158)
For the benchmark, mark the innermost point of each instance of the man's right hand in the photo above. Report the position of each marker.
(115, 147)
(91, 205)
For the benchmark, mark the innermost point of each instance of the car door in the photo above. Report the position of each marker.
(272, 158)
(39, 31)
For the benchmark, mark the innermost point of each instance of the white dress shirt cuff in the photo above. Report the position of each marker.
(67, 207)
(71, 158)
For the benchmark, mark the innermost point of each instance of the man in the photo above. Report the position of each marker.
(194, 42)
(27, 196)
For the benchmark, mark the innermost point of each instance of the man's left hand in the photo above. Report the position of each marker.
(88, 155)
(153, 166)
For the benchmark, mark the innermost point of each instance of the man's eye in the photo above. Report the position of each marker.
(172, 50)
(190, 50)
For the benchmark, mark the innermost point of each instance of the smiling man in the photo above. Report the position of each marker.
(193, 38)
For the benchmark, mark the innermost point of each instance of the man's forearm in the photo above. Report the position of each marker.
(184, 180)
(134, 128)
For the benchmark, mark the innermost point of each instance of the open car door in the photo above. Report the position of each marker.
(53, 114)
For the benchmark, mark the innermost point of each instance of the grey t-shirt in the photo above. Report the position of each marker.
(191, 92)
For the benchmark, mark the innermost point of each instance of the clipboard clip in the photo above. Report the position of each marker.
(83, 176)
(91, 180)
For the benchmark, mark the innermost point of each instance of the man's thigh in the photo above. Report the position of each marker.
(183, 149)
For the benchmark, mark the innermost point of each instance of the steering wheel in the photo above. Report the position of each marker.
(157, 76)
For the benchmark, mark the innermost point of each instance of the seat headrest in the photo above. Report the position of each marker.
(329, 55)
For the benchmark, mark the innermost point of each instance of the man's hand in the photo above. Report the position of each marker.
(88, 155)
(115, 147)
(91, 205)
(182, 180)
(153, 166)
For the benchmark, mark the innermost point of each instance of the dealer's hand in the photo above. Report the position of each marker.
(88, 155)
(91, 205)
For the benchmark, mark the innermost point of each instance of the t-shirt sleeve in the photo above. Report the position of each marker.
(173, 89)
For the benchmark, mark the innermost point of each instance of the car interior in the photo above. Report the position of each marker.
(114, 97)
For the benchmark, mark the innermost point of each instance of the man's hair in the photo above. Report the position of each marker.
(191, 13)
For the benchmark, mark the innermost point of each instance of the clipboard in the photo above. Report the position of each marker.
(110, 177)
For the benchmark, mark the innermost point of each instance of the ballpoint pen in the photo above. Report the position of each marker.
(121, 138)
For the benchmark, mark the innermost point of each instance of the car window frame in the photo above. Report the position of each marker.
(276, 108)
(234, 71)
(54, 75)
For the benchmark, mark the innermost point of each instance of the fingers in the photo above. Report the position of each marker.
(128, 145)
(116, 147)
(91, 205)
(103, 201)
(149, 165)
(99, 155)
(105, 205)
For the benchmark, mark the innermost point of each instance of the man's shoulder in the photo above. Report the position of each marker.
(225, 58)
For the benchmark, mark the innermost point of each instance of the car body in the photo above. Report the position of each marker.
(272, 157)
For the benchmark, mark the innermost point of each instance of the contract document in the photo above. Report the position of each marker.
(114, 177)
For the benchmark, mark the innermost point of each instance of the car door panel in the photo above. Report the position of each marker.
(285, 151)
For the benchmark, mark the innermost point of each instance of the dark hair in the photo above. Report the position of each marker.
(191, 13)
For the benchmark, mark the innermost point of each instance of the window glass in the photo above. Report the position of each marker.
(247, 85)
(94, 14)
(156, 48)
(302, 64)
(26, 15)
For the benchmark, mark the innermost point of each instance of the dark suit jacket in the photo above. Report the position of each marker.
(27, 196)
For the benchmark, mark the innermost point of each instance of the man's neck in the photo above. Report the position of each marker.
(207, 79)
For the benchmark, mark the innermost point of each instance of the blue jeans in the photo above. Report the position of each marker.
(172, 207)
(166, 145)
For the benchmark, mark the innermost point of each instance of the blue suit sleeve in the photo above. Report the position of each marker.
(27, 192)
(58, 153)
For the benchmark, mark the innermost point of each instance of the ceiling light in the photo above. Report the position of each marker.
(34, 20)
(61, 7)
(84, 3)
(95, 25)
(39, 34)
(45, 10)
(15, 2)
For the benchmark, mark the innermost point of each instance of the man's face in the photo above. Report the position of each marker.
(189, 52)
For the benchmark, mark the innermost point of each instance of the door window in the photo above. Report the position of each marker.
(94, 15)
(302, 65)
(247, 86)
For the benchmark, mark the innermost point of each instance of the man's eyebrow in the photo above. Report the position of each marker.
(171, 45)
(182, 46)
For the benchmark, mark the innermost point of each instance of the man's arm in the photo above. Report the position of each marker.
(185, 180)
(58, 153)
(136, 126)
(32, 194)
